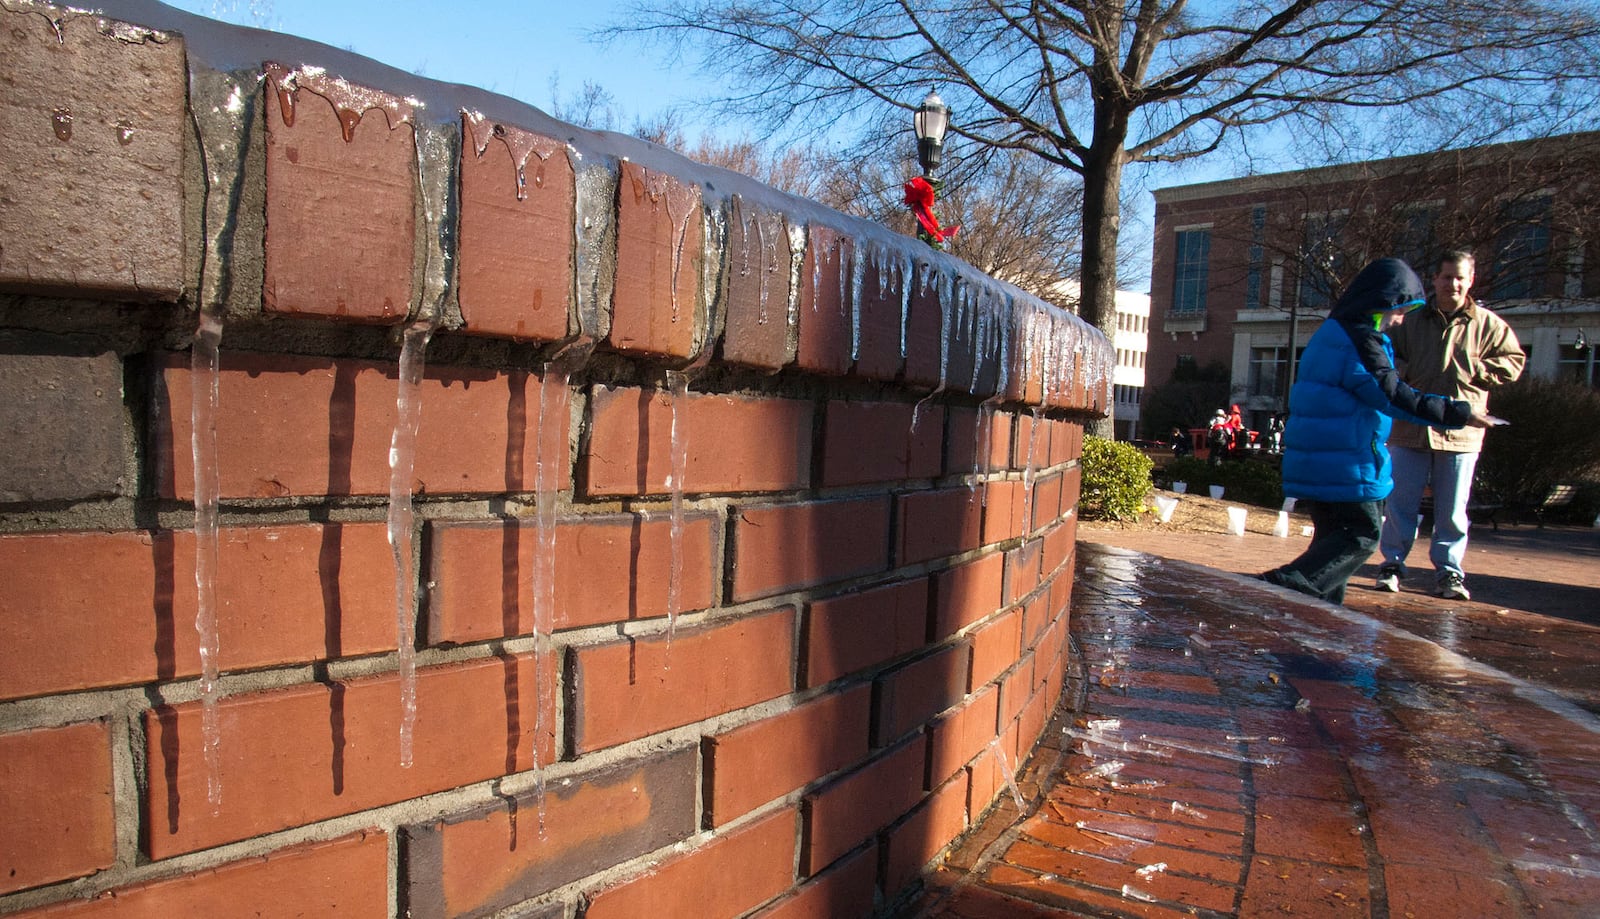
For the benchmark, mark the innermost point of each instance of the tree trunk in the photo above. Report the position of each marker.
(1102, 220)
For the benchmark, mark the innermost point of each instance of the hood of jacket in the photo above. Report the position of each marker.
(1384, 285)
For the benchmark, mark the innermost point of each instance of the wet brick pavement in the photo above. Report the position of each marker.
(1231, 749)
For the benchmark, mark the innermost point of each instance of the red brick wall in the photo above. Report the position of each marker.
(869, 574)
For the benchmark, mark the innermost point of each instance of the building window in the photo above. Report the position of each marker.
(1269, 372)
(1522, 250)
(1322, 261)
(1414, 240)
(1193, 266)
(1253, 299)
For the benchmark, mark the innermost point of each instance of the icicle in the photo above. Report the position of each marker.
(678, 387)
(402, 460)
(945, 288)
(1134, 893)
(1029, 472)
(553, 384)
(1005, 772)
(858, 273)
(204, 368)
(797, 263)
(1178, 807)
(593, 218)
(907, 271)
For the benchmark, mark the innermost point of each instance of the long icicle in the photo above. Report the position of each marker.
(552, 401)
(678, 388)
(204, 367)
(402, 518)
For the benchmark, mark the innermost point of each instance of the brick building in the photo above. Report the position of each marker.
(1243, 266)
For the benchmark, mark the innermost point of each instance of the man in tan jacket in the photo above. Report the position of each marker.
(1456, 348)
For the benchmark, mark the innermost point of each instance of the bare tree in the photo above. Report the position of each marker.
(1093, 87)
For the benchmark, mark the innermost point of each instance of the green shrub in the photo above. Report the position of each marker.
(1116, 479)
(1250, 481)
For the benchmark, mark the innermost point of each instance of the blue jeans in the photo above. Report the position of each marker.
(1346, 533)
(1451, 477)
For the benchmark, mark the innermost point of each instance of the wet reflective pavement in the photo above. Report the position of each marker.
(1231, 749)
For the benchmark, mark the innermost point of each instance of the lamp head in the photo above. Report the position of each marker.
(931, 120)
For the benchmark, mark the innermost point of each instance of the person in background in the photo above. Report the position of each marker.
(1181, 445)
(1334, 461)
(1236, 430)
(1457, 348)
(1218, 438)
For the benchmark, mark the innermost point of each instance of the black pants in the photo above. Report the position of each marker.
(1346, 534)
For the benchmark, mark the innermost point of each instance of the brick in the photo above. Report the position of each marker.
(967, 593)
(848, 812)
(92, 133)
(751, 765)
(56, 798)
(1024, 567)
(732, 443)
(1059, 541)
(1308, 828)
(625, 690)
(313, 426)
(106, 609)
(844, 891)
(1046, 501)
(1071, 489)
(759, 332)
(924, 328)
(785, 547)
(295, 756)
(979, 441)
(1198, 892)
(611, 568)
(475, 863)
(1002, 511)
(936, 524)
(932, 826)
(660, 251)
(341, 197)
(37, 391)
(881, 307)
(1281, 887)
(1416, 890)
(345, 877)
(856, 631)
(825, 301)
(995, 647)
(961, 736)
(866, 442)
(913, 693)
(515, 254)
(705, 882)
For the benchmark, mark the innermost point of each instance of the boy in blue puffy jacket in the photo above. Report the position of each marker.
(1346, 391)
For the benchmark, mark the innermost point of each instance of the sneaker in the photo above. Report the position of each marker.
(1389, 578)
(1452, 587)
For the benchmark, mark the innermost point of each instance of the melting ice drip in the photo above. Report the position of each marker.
(402, 460)
(204, 366)
(548, 462)
(678, 389)
(1005, 773)
(679, 200)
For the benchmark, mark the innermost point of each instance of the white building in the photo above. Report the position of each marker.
(1132, 344)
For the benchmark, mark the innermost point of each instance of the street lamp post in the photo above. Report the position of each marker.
(931, 121)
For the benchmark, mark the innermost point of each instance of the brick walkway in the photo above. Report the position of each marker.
(1234, 751)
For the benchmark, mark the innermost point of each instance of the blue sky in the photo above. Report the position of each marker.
(506, 47)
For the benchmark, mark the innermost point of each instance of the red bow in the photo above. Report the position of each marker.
(919, 197)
